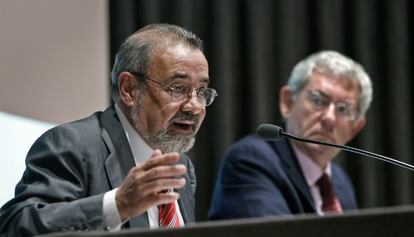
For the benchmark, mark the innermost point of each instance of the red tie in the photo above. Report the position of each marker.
(330, 203)
(167, 216)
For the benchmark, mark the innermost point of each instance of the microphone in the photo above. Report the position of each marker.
(272, 132)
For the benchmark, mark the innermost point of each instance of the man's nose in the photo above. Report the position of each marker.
(329, 115)
(192, 104)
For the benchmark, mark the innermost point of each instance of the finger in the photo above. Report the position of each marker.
(161, 198)
(164, 172)
(138, 177)
(165, 159)
(168, 197)
(159, 185)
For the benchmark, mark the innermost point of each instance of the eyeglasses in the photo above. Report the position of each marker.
(179, 92)
(343, 109)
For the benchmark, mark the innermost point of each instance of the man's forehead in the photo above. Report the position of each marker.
(192, 67)
(331, 80)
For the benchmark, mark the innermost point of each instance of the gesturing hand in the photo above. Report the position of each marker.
(143, 186)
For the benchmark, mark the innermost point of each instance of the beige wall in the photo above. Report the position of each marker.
(53, 58)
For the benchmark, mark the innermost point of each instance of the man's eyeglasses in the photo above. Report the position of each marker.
(321, 101)
(180, 92)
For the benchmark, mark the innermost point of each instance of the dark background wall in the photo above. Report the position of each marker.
(252, 46)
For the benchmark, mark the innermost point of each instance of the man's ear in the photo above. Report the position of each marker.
(285, 101)
(128, 89)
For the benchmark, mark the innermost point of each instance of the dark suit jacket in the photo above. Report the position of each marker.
(69, 168)
(260, 178)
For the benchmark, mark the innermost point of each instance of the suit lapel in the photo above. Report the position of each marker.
(293, 170)
(120, 159)
(186, 196)
(342, 191)
(183, 203)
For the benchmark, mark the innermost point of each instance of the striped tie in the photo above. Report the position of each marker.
(167, 216)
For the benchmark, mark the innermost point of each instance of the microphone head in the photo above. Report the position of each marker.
(269, 132)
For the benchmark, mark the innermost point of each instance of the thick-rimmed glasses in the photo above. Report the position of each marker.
(180, 92)
(343, 110)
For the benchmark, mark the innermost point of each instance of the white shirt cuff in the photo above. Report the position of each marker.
(111, 217)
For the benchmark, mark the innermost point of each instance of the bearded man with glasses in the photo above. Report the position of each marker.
(325, 99)
(125, 167)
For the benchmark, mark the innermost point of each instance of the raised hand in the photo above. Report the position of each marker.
(144, 185)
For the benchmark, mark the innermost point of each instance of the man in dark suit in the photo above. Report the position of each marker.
(115, 168)
(325, 99)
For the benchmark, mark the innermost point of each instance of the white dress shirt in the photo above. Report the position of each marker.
(141, 152)
(312, 173)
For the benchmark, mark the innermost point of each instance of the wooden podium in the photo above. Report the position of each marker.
(384, 222)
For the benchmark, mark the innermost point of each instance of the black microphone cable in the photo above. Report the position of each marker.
(274, 133)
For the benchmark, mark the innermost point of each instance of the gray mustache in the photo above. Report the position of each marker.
(185, 116)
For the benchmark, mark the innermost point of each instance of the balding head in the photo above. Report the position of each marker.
(135, 53)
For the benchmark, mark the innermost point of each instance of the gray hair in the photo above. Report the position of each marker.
(135, 53)
(334, 64)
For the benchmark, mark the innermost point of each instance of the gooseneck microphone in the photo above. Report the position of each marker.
(273, 133)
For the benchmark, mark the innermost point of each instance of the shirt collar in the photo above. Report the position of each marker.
(140, 149)
(310, 169)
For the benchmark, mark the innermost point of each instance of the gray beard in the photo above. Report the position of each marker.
(165, 142)
(171, 143)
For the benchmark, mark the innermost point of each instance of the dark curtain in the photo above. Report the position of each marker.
(252, 46)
